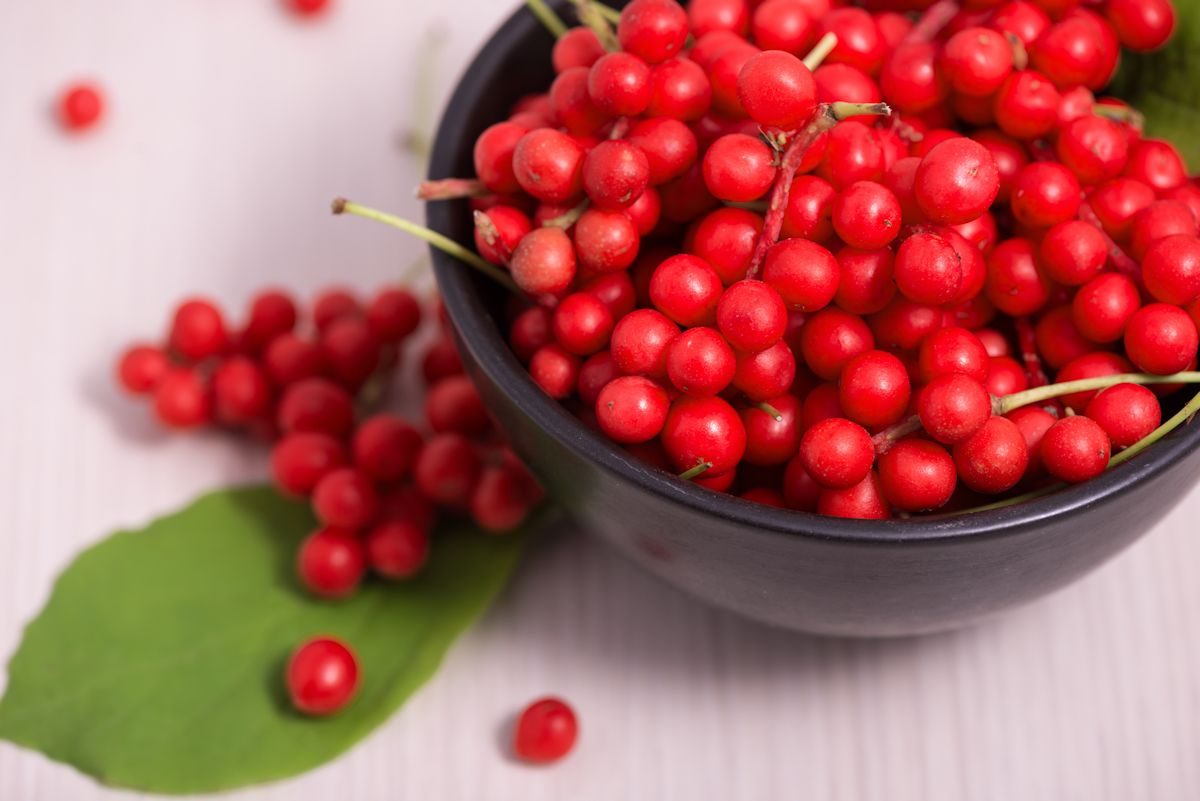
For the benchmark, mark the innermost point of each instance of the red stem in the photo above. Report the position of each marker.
(1035, 374)
(450, 189)
(1122, 262)
(932, 20)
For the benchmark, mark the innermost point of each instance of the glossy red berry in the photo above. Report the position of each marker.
(331, 563)
(582, 324)
(548, 164)
(80, 107)
(956, 181)
(738, 168)
(1126, 412)
(704, 431)
(1044, 194)
(977, 61)
(772, 439)
(831, 338)
(863, 501)
(1104, 305)
(865, 280)
(322, 676)
(953, 407)
(546, 731)
(994, 458)
(272, 314)
(917, 475)
(687, 290)
(950, 351)
(777, 90)
(502, 498)
(1075, 449)
(1093, 148)
(394, 314)
(241, 393)
(290, 358)
(767, 373)
(544, 262)
(700, 362)
(578, 47)
(1141, 25)
(866, 215)
(1072, 252)
(619, 84)
(640, 340)
(804, 274)
(632, 409)
(928, 269)
(1171, 270)
(345, 498)
(447, 469)
(1161, 339)
(385, 448)
(837, 453)
(751, 316)
(874, 388)
(615, 174)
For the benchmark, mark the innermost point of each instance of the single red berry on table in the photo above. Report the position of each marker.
(80, 106)
(322, 676)
(546, 731)
(308, 7)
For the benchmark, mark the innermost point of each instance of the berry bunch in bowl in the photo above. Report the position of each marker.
(864, 261)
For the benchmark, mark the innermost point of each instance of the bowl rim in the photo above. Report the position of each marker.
(489, 350)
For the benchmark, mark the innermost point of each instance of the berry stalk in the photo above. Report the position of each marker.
(1007, 403)
(696, 471)
(450, 189)
(590, 14)
(1122, 262)
(1189, 410)
(547, 17)
(1027, 344)
(445, 244)
(932, 20)
(821, 49)
(826, 116)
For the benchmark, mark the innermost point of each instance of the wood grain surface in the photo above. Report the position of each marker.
(231, 127)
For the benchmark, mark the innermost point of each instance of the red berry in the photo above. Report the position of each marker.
(548, 164)
(953, 350)
(652, 30)
(1171, 270)
(726, 239)
(578, 47)
(606, 241)
(1104, 305)
(315, 404)
(345, 498)
(1005, 377)
(447, 469)
(1156, 163)
(777, 90)
(291, 358)
(863, 501)
(1161, 339)
(783, 25)
(272, 314)
(767, 373)
(1126, 412)
(831, 338)
(394, 314)
(198, 330)
(679, 88)
(738, 168)
(300, 460)
(240, 391)
(953, 407)
(441, 361)
(977, 61)
(1075, 449)
(332, 305)
(686, 289)
(1026, 106)
(874, 388)
(837, 453)
(544, 262)
(182, 399)
(619, 84)
(751, 316)
(866, 215)
(704, 430)
(555, 370)
(640, 341)
(501, 499)
(772, 439)
(1015, 285)
(669, 145)
(308, 7)
(546, 731)
(917, 476)
(397, 549)
(865, 284)
(493, 156)
(957, 181)
(1072, 252)
(1141, 25)
(80, 106)
(928, 269)
(331, 563)
(141, 368)
(322, 676)
(994, 458)
(1094, 148)
(632, 409)
(453, 404)
(1044, 194)
(859, 43)
(386, 447)
(700, 362)
(615, 174)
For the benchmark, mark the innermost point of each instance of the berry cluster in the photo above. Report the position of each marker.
(813, 253)
(376, 484)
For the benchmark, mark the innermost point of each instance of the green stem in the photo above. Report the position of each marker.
(610, 14)
(821, 49)
(442, 243)
(591, 15)
(568, 217)
(543, 12)
(1018, 399)
(1177, 419)
(767, 408)
(697, 470)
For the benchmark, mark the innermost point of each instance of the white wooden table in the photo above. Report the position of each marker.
(231, 126)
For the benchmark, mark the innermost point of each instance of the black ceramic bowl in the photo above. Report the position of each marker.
(790, 569)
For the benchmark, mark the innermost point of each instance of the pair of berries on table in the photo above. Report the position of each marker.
(744, 270)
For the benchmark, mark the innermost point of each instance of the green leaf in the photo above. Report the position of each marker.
(157, 663)
(1163, 85)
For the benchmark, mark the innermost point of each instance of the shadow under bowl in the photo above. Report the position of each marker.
(791, 569)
